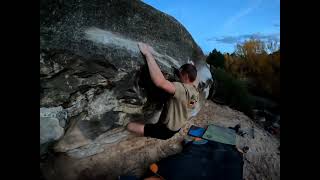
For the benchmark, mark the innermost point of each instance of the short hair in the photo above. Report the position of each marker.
(189, 69)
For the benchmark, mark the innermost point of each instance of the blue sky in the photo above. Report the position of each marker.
(223, 24)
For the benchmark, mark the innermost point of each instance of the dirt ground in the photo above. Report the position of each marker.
(263, 158)
(132, 155)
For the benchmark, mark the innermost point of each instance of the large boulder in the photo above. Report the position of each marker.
(52, 123)
(91, 67)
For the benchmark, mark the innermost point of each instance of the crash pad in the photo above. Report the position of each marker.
(220, 134)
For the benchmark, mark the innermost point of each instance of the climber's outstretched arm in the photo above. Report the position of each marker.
(155, 72)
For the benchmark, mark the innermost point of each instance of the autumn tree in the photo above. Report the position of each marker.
(251, 62)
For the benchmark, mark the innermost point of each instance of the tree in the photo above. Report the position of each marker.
(250, 48)
(216, 59)
(272, 46)
(252, 63)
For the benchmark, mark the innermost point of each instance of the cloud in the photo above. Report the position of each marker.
(240, 14)
(241, 38)
(225, 39)
(276, 25)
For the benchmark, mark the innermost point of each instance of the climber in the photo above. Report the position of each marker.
(184, 96)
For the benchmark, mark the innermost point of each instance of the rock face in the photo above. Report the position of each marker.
(52, 123)
(90, 64)
(93, 78)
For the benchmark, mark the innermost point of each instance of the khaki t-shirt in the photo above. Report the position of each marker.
(178, 108)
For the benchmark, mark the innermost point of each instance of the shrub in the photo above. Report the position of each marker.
(232, 91)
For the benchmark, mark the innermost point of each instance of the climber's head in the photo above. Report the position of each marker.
(187, 73)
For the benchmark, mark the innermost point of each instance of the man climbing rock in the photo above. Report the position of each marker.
(184, 96)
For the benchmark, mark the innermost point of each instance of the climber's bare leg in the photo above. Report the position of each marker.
(136, 127)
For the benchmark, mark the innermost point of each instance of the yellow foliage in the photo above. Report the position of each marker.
(251, 60)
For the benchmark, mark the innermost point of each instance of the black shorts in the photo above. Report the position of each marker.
(159, 131)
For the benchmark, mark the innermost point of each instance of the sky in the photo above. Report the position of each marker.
(216, 24)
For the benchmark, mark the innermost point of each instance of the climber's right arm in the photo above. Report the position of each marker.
(154, 70)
